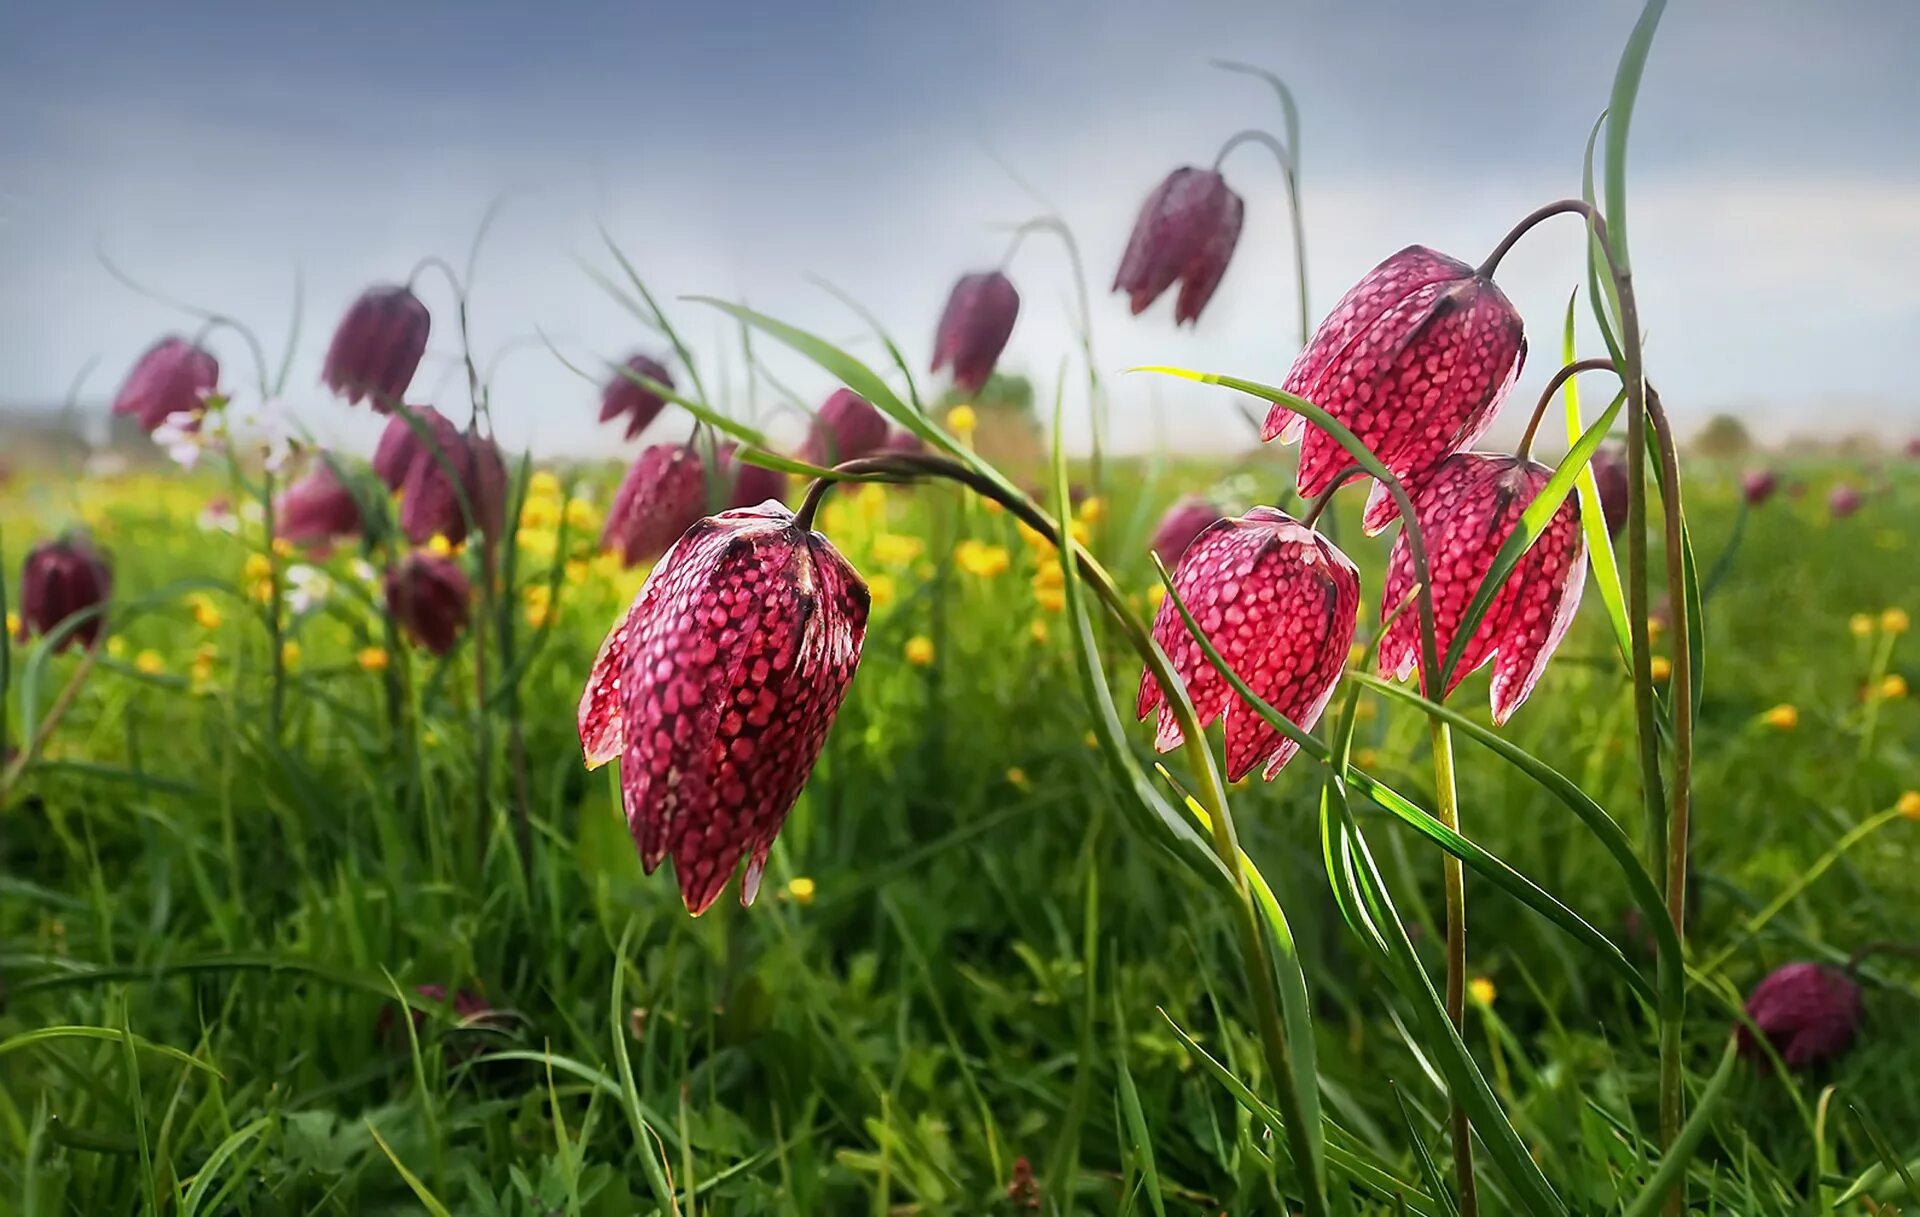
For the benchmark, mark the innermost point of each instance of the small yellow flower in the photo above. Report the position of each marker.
(290, 654)
(582, 516)
(1033, 538)
(1365, 711)
(539, 513)
(204, 611)
(1356, 652)
(1481, 990)
(1049, 574)
(1092, 509)
(1909, 805)
(1090, 740)
(538, 615)
(1366, 758)
(1662, 668)
(373, 659)
(1655, 628)
(13, 624)
(539, 595)
(1156, 594)
(1052, 599)
(919, 650)
(893, 549)
(1079, 531)
(961, 420)
(117, 647)
(979, 558)
(282, 547)
(150, 663)
(1782, 717)
(1895, 621)
(1038, 630)
(1017, 776)
(578, 571)
(543, 485)
(608, 565)
(1893, 688)
(872, 501)
(439, 546)
(261, 590)
(1860, 624)
(801, 889)
(259, 566)
(540, 542)
(991, 507)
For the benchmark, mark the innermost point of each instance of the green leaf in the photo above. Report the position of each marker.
(48, 1035)
(420, 1190)
(645, 1141)
(1673, 1165)
(1603, 566)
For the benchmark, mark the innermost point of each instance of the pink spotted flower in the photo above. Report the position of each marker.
(1808, 1012)
(317, 510)
(1280, 603)
(744, 485)
(1466, 511)
(461, 488)
(974, 328)
(1184, 521)
(1185, 233)
(625, 397)
(717, 689)
(1414, 360)
(173, 377)
(664, 492)
(377, 348)
(847, 428)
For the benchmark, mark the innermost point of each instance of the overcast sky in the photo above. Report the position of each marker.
(736, 149)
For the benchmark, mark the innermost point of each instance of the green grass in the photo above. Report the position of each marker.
(994, 964)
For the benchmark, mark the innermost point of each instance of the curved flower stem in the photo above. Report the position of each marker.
(57, 711)
(276, 627)
(1291, 110)
(1597, 364)
(1289, 170)
(1255, 948)
(1096, 401)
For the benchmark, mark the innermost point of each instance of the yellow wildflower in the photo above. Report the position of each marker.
(1038, 630)
(150, 663)
(1909, 805)
(439, 546)
(1049, 575)
(1033, 538)
(540, 542)
(1893, 688)
(1017, 776)
(979, 558)
(116, 647)
(920, 650)
(259, 566)
(1860, 624)
(1156, 594)
(13, 625)
(1090, 740)
(582, 516)
(578, 570)
(1052, 599)
(961, 420)
(872, 501)
(282, 547)
(1366, 758)
(991, 507)
(801, 889)
(1655, 628)
(1481, 990)
(539, 513)
(204, 611)
(893, 549)
(1662, 668)
(880, 589)
(1895, 621)
(290, 653)
(1092, 508)
(1782, 717)
(543, 485)
(373, 659)
(608, 565)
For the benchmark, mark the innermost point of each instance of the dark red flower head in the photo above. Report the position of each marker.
(1809, 1013)
(378, 346)
(1913, 446)
(1466, 511)
(1610, 475)
(717, 690)
(1184, 521)
(975, 327)
(59, 579)
(318, 509)
(625, 395)
(1414, 360)
(1843, 501)
(449, 493)
(846, 429)
(403, 442)
(664, 492)
(744, 485)
(1186, 233)
(430, 599)
(172, 377)
(904, 441)
(1758, 485)
(1279, 602)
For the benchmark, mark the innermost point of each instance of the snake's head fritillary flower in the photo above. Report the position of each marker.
(451, 493)
(1184, 521)
(1843, 501)
(664, 492)
(378, 346)
(717, 689)
(846, 429)
(430, 599)
(1280, 603)
(626, 396)
(173, 377)
(744, 485)
(406, 440)
(1610, 476)
(318, 509)
(1185, 233)
(1913, 447)
(1466, 511)
(975, 327)
(1414, 360)
(902, 441)
(1758, 485)
(1808, 1012)
(59, 579)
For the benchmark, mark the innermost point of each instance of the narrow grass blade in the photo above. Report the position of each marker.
(420, 1190)
(48, 1035)
(1135, 1118)
(1603, 568)
(209, 1172)
(1673, 1166)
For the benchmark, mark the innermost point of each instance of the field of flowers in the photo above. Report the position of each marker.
(460, 832)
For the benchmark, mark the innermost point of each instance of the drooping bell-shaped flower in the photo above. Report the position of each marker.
(1184, 521)
(1808, 1012)
(1758, 485)
(450, 495)
(173, 377)
(975, 327)
(902, 441)
(430, 599)
(625, 396)
(1280, 603)
(717, 689)
(1843, 501)
(1466, 511)
(405, 441)
(318, 509)
(847, 428)
(59, 579)
(378, 346)
(1610, 476)
(744, 485)
(1185, 233)
(1414, 360)
(664, 492)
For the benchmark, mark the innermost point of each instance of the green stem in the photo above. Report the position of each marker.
(1447, 808)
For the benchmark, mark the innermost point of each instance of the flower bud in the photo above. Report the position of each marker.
(1758, 485)
(1843, 501)
(59, 580)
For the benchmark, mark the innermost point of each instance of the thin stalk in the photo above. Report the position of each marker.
(1598, 364)
(1447, 807)
(276, 629)
(55, 712)
(1290, 110)
(1290, 174)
